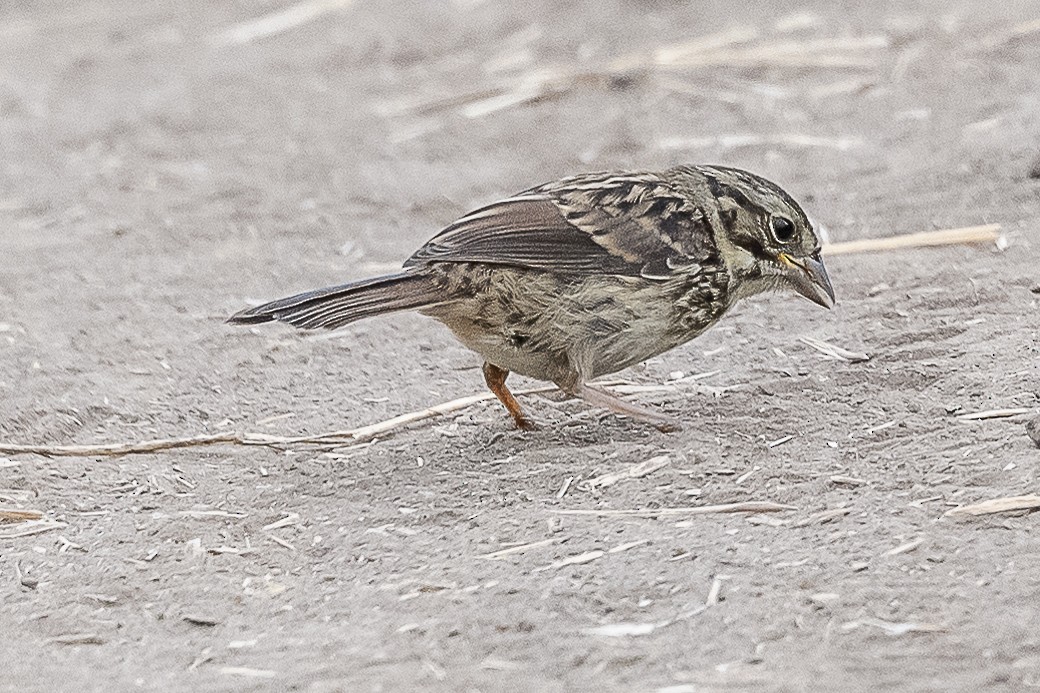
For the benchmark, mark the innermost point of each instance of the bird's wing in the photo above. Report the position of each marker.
(627, 224)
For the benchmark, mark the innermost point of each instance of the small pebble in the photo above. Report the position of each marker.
(201, 620)
(1033, 430)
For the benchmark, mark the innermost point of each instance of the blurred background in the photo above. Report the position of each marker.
(332, 127)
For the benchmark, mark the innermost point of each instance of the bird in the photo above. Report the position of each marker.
(588, 275)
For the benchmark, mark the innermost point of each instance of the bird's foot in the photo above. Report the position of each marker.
(525, 424)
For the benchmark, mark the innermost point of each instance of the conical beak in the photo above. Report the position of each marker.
(809, 277)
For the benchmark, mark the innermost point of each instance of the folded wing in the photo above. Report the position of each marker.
(624, 224)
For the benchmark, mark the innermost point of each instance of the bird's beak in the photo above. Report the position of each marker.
(809, 278)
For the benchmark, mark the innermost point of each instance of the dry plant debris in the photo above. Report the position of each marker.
(894, 629)
(77, 639)
(248, 672)
(349, 435)
(843, 480)
(277, 22)
(833, 350)
(635, 471)
(993, 414)
(823, 517)
(997, 505)
(29, 528)
(521, 548)
(909, 546)
(8, 515)
(668, 64)
(744, 507)
(987, 233)
(624, 630)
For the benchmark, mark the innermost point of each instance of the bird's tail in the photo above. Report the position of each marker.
(338, 305)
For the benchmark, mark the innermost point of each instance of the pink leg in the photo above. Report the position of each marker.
(604, 399)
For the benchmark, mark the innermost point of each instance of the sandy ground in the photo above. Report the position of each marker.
(160, 170)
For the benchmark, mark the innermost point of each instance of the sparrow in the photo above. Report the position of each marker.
(587, 275)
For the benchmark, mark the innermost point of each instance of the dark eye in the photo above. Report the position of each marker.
(783, 229)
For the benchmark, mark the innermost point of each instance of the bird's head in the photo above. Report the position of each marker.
(767, 240)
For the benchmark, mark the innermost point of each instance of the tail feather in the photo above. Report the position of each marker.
(339, 305)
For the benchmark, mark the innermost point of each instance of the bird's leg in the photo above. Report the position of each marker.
(495, 378)
(602, 398)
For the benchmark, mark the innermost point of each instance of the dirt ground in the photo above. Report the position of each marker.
(164, 164)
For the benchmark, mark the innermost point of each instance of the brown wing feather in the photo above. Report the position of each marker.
(522, 231)
(628, 224)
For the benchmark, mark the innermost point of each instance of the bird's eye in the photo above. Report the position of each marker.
(783, 229)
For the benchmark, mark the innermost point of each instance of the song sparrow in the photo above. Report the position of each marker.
(587, 275)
